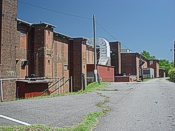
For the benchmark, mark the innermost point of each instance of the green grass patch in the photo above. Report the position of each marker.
(147, 79)
(89, 121)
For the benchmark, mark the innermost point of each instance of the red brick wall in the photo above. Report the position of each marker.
(8, 42)
(122, 79)
(129, 64)
(84, 57)
(154, 64)
(22, 49)
(77, 62)
(105, 72)
(39, 50)
(48, 44)
(89, 54)
(61, 60)
(161, 73)
(115, 47)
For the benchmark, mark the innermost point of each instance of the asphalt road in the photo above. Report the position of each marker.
(141, 106)
(147, 106)
(57, 111)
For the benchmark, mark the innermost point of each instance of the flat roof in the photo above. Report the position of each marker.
(80, 37)
(134, 53)
(45, 23)
(62, 35)
(152, 59)
(36, 81)
(22, 21)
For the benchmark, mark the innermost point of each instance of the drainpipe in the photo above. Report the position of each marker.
(1, 90)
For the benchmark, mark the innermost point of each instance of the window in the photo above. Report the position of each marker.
(23, 63)
(65, 67)
(48, 62)
(150, 62)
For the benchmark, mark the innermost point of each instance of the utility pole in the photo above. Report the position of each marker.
(95, 66)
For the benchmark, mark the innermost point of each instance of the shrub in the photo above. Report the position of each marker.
(171, 74)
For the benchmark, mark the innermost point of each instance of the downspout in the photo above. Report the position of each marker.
(1, 90)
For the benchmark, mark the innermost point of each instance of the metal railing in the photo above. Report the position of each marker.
(51, 86)
(63, 85)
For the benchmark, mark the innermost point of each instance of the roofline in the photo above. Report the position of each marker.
(134, 53)
(22, 21)
(153, 59)
(81, 37)
(62, 35)
(45, 23)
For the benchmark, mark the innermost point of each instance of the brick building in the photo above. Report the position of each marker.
(162, 73)
(8, 44)
(78, 61)
(61, 59)
(48, 54)
(115, 47)
(132, 64)
(154, 63)
(22, 49)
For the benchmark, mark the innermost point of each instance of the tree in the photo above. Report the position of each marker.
(166, 64)
(147, 54)
(163, 63)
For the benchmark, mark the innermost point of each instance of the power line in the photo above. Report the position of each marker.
(109, 34)
(63, 13)
(54, 10)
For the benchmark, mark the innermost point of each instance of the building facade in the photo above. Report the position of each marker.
(132, 64)
(8, 43)
(154, 63)
(115, 48)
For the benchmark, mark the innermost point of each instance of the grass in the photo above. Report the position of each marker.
(91, 87)
(89, 121)
(147, 79)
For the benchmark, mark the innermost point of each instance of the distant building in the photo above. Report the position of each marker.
(154, 63)
(115, 48)
(132, 64)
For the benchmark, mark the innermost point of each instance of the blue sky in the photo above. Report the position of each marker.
(138, 24)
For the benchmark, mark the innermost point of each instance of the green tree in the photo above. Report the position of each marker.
(147, 54)
(163, 63)
(166, 64)
(171, 74)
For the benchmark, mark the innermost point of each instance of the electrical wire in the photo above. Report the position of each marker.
(110, 34)
(54, 10)
(63, 13)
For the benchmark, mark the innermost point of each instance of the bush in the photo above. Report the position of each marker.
(171, 74)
